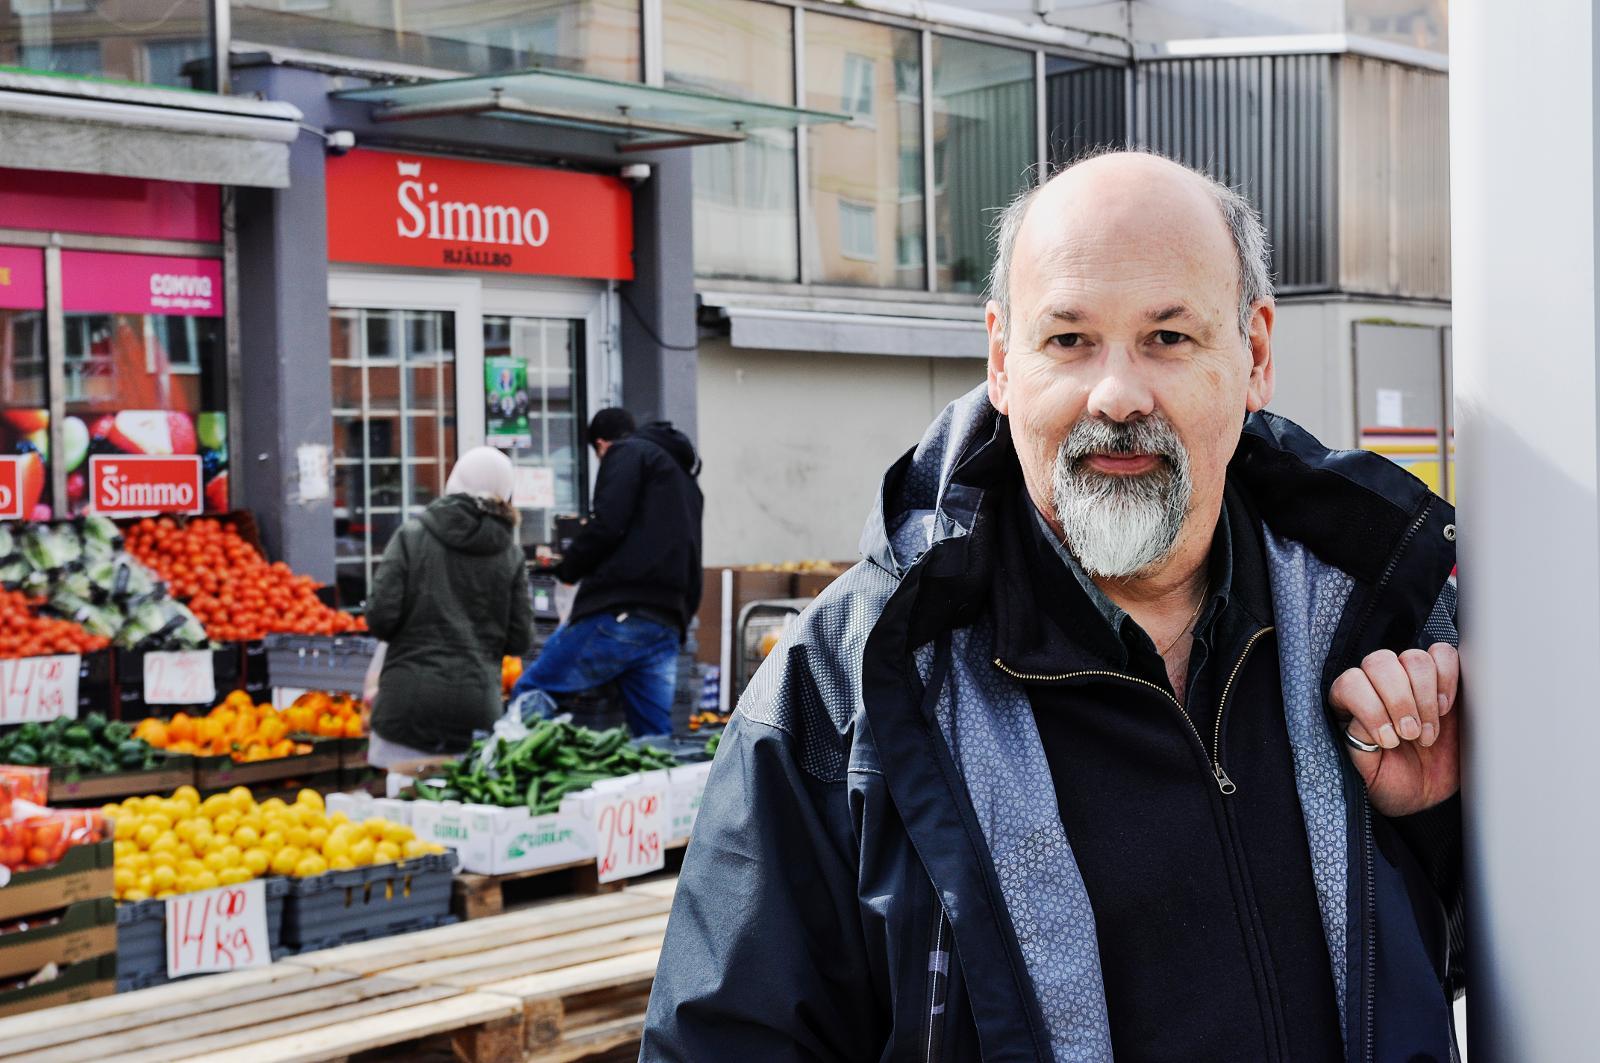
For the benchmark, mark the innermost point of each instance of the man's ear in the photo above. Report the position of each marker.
(997, 356)
(1259, 343)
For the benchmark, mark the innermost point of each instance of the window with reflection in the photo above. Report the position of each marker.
(983, 150)
(153, 42)
(598, 37)
(744, 193)
(865, 178)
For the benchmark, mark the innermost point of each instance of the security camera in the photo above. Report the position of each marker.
(636, 172)
(339, 141)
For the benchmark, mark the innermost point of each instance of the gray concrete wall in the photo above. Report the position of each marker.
(658, 305)
(284, 398)
(795, 443)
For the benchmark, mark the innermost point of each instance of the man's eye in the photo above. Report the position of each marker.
(1068, 339)
(1168, 338)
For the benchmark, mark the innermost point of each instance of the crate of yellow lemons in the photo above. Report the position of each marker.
(179, 843)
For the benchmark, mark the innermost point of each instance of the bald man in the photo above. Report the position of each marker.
(1134, 736)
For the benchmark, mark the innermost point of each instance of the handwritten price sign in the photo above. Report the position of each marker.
(218, 930)
(38, 688)
(629, 827)
(183, 678)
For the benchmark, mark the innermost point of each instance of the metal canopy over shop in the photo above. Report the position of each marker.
(648, 117)
(79, 125)
(837, 326)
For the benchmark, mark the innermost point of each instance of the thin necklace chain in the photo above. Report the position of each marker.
(1204, 594)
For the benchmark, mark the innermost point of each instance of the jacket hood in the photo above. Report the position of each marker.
(674, 442)
(470, 524)
(1351, 507)
(921, 502)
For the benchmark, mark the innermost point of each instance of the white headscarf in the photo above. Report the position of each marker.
(484, 472)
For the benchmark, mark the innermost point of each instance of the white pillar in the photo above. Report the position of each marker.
(1523, 142)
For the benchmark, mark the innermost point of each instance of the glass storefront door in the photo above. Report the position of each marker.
(534, 399)
(394, 428)
(424, 368)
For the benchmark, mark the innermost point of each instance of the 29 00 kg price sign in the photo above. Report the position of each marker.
(218, 930)
(630, 828)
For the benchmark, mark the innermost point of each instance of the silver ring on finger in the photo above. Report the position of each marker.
(1356, 743)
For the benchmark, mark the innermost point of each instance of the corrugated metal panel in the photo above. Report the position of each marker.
(983, 157)
(1394, 179)
(1261, 125)
(1085, 109)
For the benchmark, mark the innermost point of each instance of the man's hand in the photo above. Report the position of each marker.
(1402, 703)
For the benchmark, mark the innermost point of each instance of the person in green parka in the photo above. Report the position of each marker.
(450, 599)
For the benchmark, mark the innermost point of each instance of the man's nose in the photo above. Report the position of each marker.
(1121, 393)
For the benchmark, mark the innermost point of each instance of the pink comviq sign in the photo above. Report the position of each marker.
(100, 282)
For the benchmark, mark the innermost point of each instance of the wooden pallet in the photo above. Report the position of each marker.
(475, 896)
(580, 969)
(279, 1014)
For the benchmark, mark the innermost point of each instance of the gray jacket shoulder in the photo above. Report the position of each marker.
(809, 687)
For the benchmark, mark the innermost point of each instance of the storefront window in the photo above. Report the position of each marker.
(394, 429)
(744, 193)
(598, 37)
(983, 150)
(148, 41)
(866, 176)
(532, 384)
(24, 404)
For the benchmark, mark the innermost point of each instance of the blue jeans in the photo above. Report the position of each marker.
(641, 655)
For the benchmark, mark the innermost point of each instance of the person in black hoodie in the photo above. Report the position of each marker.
(637, 565)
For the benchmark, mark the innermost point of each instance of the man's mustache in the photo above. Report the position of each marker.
(1144, 438)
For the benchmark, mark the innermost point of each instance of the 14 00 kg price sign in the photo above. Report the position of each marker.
(630, 828)
(218, 930)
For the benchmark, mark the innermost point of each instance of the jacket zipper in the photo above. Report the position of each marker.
(1370, 890)
(936, 1000)
(1368, 935)
(1225, 784)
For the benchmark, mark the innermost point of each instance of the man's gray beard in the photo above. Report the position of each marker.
(1119, 526)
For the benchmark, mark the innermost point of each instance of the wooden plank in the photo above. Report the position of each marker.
(653, 926)
(593, 1041)
(375, 1031)
(443, 942)
(15, 1027)
(249, 1035)
(177, 1009)
(604, 950)
(493, 1042)
(611, 973)
(655, 887)
(326, 1002)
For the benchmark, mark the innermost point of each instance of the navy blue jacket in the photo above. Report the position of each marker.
(879, 870)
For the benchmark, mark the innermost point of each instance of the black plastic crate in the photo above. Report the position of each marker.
(363, 903)
(97, 692)
(320, 662)
(226, 668)
(142, 937)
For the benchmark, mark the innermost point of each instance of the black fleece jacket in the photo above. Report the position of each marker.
(1211, 941)
(640, 546)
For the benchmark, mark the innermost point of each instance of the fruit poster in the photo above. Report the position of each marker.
(505, 389)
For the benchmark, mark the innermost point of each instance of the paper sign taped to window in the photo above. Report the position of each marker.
(535, 488)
